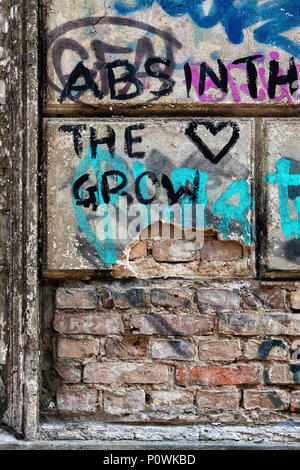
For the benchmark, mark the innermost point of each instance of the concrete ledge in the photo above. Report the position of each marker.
(78, 436)
(142, 445)
(281, 433)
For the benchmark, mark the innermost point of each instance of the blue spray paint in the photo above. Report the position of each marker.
(279, 16)
(229, 211)
(179, 178)
(105, 251)
(138, 168)
(284, 179)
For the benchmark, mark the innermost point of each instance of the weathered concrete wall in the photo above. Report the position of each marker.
(4, 179)
(157, 180)
(281, 185)
(187, 39)
(154, 103)
(140, 327)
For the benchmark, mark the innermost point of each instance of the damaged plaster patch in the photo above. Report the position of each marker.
(203, 263)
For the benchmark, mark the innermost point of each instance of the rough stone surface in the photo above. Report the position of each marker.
(265, 298)
(123, 300)
(138, 251)
(70, 373)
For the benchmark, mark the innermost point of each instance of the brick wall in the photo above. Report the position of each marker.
(172, 351)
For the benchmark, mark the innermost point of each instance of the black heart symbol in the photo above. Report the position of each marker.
(214, 130)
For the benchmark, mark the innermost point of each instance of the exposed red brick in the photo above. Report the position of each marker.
(171, 297)
(77, 347)
(218, 399)
(295, 300)
(174, 398)
(218, 299)
(266, 399)
(295, 401)
(215, 375)
(266, 298)
(131, 347)
(214, 250)
(138, 251)
(219, 350)
(76, 298)
(83, 400)
(68, 372)
(89, 323)
(108, 373)
(177, 349)
(171, 251)
(124, 402)
(172, 325)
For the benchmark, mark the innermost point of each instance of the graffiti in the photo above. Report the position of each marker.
(150, 58)
(130, 78)
(264, 350)
(279, 17)
(195, 75)
(203, 78)
(58, 44)
(266, 347)
(111, 187)
(284, 180)
(231, 212)
(214, 129)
